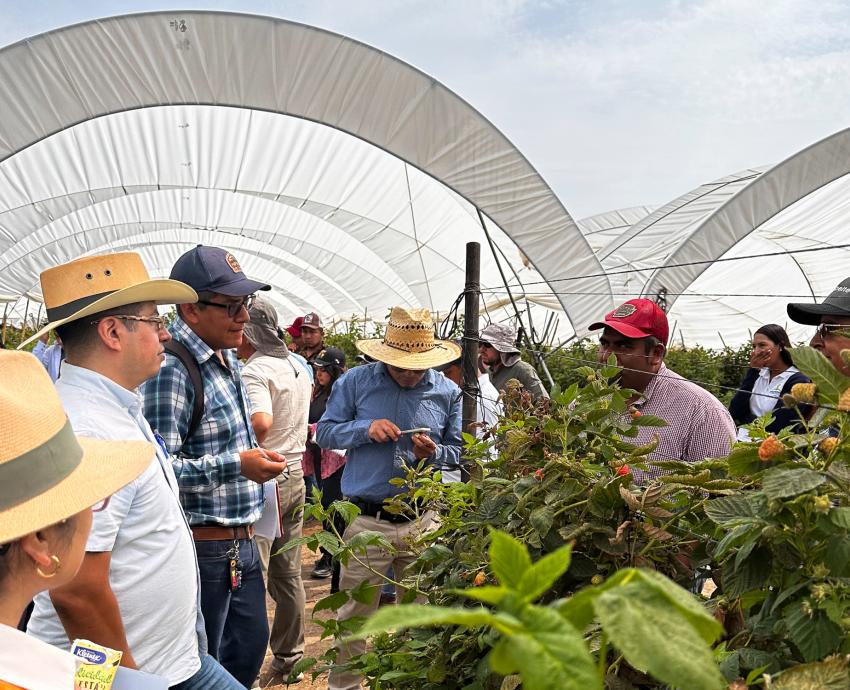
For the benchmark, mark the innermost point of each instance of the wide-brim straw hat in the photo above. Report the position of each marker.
(96, 283)
(409, 342)
(48, 474)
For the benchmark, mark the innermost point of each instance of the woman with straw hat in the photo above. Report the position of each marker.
(50, 481)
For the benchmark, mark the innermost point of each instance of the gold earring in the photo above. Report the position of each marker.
(56, 565)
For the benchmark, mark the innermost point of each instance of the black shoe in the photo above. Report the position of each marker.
(323, 568)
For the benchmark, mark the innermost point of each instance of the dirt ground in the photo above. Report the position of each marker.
(315, 589)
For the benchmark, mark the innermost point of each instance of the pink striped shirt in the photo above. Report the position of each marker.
(698, 425)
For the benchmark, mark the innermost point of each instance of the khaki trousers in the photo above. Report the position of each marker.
(399, 535)
(283, 574)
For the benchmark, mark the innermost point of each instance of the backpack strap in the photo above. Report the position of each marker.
(181, 352)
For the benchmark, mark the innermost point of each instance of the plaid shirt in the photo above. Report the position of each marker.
(207, 465)
(698, 425)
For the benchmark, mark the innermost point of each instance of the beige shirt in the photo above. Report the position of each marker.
(279, 386)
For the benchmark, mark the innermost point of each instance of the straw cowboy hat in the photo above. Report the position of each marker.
(48, 474)
(409, 342)
(96, 283)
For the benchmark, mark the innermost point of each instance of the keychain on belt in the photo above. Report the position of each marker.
(234, 567)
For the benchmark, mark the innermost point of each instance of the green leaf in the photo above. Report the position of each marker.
(840, 517)
(543, 574)
(744, 460)
(669, 642)
(752, 573)
(740, 509)
(814, 635)
(346, 510)
(541, 520)
(578, 609)
(509, 559)
(830, 674)
(364, 593)
(830, 382)
(551, 653)
(332, 602)
(648, 420)
(361, 540)
(487, 594)
(783, 482)
(403, 616)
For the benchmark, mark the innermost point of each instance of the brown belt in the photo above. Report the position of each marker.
(213, 533)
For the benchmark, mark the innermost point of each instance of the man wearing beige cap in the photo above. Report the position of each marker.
(279, 390)
(396, 412)
(138, 588)
(499, 352)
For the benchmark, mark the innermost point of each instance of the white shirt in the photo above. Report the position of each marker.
(766, 392)
(488, 410)
(34, 665)
(278, 386)
(153, 569)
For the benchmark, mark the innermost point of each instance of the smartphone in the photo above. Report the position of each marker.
(417, 430)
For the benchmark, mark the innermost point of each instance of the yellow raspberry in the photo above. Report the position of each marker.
(844, 401)
(597, 580)
(828, 445)
(804, 392)
(480, 579)
(822, 504)
(770, 448)
(845, 357)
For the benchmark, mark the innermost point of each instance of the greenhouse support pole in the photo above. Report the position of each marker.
(472, 295)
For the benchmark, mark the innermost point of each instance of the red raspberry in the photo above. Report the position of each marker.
(538, 475)
(480, 579)
(770, 448)
(623, 470)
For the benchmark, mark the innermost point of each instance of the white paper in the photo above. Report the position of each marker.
(268, 525)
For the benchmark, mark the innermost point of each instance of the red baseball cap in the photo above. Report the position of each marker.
(294, 329)
(637, 318)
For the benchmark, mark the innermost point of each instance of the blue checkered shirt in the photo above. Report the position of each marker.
(207, 465)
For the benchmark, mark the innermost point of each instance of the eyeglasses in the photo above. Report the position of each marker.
(157, 321)
(233, 308)
(825, 330)
(100, 505)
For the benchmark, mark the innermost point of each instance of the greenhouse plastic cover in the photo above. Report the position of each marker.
(347, 179)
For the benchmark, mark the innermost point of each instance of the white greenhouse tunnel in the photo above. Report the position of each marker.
(347, 179)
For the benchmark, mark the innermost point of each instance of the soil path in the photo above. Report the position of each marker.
(314, 646)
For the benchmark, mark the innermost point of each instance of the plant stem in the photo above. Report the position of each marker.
(603, 657)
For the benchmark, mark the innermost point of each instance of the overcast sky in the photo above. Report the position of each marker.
(616, 103)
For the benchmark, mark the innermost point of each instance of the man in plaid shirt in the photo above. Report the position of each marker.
(219, 468)
(698, 424)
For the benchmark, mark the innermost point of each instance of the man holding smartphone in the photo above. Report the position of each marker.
(389, 414)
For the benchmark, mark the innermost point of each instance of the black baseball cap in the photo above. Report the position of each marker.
(213, 269)
(837, 304)
(330, 356)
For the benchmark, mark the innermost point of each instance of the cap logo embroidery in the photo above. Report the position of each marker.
(233, 263)
(623, 311)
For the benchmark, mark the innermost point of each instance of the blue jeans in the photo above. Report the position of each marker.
(211, 676)
(236, 622)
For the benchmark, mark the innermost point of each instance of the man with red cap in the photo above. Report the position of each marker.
(698, 424)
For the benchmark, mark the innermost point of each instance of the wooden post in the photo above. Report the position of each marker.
(472, 292)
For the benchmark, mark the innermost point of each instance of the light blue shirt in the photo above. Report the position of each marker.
(367, 393)
(51, 357)
(153, 568)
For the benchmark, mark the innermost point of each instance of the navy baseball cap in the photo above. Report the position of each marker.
(213, 269)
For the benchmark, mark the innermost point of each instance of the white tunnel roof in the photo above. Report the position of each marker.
(344, 177)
